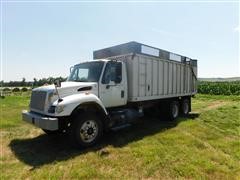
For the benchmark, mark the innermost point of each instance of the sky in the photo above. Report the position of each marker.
(43, 39)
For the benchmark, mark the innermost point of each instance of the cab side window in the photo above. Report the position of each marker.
(113, 72)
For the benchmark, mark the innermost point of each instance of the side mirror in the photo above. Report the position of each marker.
(57, 83)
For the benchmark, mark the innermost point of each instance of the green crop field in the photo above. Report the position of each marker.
(206, 145)
(219, 88)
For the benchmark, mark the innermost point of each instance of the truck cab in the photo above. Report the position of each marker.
(109, 76)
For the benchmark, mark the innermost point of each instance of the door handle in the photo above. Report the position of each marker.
(122, 94)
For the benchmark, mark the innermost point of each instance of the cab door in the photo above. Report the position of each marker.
(111, 87)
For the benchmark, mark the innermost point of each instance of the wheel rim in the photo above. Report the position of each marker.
(175, 110)
(89, 131)
(185, 108)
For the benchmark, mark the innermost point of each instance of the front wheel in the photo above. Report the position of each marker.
(85, 130)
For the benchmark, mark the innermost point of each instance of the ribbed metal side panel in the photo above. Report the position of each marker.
(38, 99)
(154, 78)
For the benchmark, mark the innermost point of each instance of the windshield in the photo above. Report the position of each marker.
(86, 72)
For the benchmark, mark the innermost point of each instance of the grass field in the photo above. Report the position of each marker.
(204, 146)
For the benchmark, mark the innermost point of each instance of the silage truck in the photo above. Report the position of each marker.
(116, 88)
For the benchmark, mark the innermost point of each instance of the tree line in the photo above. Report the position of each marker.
(35, 83)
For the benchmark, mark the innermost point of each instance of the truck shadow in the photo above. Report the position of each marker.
(45, 149)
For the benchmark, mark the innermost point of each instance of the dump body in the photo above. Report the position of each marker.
(151, 72)
(152, 78)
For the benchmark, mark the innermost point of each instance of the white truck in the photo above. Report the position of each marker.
(114, 89)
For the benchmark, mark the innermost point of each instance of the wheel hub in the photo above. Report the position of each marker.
(89, 131)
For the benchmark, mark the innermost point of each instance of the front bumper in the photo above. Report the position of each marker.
(40, 121)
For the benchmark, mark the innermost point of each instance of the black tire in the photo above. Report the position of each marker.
(173, 110)
(85, 130)
(185, 107)
(49, 132)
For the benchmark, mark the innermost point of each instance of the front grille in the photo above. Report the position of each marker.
(38, 99)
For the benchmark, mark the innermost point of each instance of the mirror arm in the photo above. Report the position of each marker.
(57, 83)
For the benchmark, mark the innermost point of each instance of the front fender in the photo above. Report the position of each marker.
(71, 102)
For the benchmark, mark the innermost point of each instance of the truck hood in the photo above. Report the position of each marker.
(69, 88)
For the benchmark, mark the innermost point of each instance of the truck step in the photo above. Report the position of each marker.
(117, 128)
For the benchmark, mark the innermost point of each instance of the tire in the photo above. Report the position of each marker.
(49, 132)
(173, 110)
(185, 107)
(85, 130)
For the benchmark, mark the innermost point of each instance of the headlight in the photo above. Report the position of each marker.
(59, 108)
